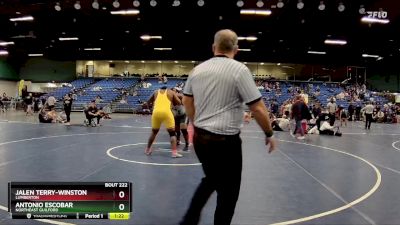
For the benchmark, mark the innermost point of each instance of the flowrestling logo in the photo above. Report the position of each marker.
(377, 14)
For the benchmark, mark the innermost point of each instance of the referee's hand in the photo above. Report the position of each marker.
(271, 142)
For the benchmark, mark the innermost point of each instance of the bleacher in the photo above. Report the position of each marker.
(143, 94)
(108, 89)
(59, 93)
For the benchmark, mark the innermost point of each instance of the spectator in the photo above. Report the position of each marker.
(316, 110)
(380, 116)
(343, 115)
(351, 110)
(332, 108)
(51, 102)
(68, 107)
(281, 124)
(299, 113)
(29, 104)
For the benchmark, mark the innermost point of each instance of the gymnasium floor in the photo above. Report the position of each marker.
(353, 179)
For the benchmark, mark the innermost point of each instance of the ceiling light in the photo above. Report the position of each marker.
(92, 49)
(366, 19)
(159, 61)
(116, 4)
(261, 64)
(321, 6)
(148, 37)
(244, 50)
(341, 7)
(255, 12)
(260, 3)
(127, 31)
(240, 3)
(249, 38)
(316, 52)
(57, 7)
(200, 3)
(300, 4)
(143, 61)
(110, 61)
(278, 64)
(193, 61)
(25, 18)
(335, 42)
(163, 49)
(370, 56)
(176, 62)
(126, 61)
(176, 3)
(18, 13)
(245, 63)
(125, 12)
(95, 4)
(3, 52)
(35, 55)
(280, 4)
(153, 3)
(380, 58)
(136, 3)
(77, 5)
(3, 43)
(361, 10)
(68, 38)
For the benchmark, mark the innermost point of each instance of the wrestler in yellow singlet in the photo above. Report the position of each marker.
(162, 114)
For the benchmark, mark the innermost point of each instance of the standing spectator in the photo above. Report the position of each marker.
(343, 115)
(358, 112)
(29, 103)
(300, 112)
(332, 108)
(36, 102)
(274, 107)
(316, 111)
(351, 110)
(217, 114)
(368, 110)
(68, 107)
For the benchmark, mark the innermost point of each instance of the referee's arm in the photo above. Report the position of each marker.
(188, 102)
(261, 115)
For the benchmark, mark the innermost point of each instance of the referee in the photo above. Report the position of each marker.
(214, 95)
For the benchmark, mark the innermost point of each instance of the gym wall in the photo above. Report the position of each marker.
(45, 70)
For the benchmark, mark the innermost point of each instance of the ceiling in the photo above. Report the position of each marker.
(284, 36)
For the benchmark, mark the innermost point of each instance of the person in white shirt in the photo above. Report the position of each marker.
(368, 110)
(380, 116)
(281, 124)
(51, 101)
(332, 108)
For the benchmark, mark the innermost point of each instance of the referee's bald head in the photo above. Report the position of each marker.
(225, 42)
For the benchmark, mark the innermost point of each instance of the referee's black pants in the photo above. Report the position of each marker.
(221, 158)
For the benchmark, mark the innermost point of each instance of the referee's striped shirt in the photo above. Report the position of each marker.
(219, 87)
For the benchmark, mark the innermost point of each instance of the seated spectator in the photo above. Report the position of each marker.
(323, 126)
(281, 124)
(92, 112)
(380, 116)
(98, 99)
(51, 102)
(47, 114)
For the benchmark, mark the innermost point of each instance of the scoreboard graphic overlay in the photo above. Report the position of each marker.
(70, 200)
